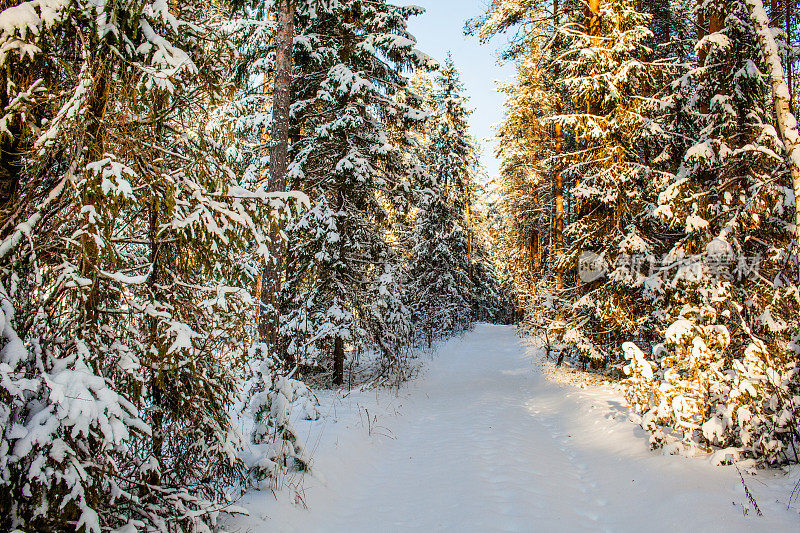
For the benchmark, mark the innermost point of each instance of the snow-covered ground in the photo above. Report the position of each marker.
(482, 441)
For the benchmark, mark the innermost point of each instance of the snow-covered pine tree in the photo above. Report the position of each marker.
(726, 370)
(607, 69)
(343, 278)
(527, 199)
(549, 150)
(125, 306)
(727, 293)
(523, 216)
(441, 289)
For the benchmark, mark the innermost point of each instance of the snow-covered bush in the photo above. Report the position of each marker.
(273, 398)
(764, 402)
(690, 378)
(699, 396)
(66, 436)
(639, 391)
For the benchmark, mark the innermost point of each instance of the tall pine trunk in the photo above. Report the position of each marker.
(701, 55)
(593, 19)
(278, 163)
(558, 193)
(558, 221)
(469, 240)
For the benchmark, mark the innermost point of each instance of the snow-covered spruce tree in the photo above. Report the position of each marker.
(441, 291)
(607, 69)
(727, 369)
(124, 307)
(343, 274)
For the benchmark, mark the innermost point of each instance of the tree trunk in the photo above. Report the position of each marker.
(94, 151)
(592, 30)
(789, 65)
(593, 18)
(278, 163)
(558, 221)
(558, 228)
(10, 155)
(787, 122)
(558, 191)
(469, 240)
(11, 149)
(717, 22)
(338, 361)
(701, 33)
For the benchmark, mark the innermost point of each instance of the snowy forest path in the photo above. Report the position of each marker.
(485, 442)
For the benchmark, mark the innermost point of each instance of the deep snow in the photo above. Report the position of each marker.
(483, 441)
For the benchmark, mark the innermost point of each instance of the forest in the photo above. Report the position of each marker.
(217, 215)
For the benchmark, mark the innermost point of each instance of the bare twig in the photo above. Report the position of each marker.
(749, 494)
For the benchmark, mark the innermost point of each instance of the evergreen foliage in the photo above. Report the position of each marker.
(441, 290)
(677, 190)
(343, 282)
(727, 295)
(607, 69)
(126, 300)
(653, 143)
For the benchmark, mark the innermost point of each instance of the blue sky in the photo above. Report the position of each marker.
(441, 29)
